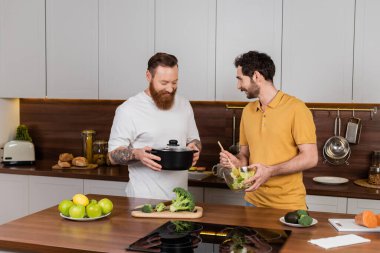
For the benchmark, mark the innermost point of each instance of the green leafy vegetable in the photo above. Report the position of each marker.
(305, 220)
(302, 212)
(147, 208)
(182, 226)
(239, 177)
(160, 207)
(22, 133)
(184, 201)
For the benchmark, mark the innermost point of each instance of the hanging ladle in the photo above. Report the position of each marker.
(234, 148)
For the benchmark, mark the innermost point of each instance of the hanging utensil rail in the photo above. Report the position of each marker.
(371, 110)
(234, 107)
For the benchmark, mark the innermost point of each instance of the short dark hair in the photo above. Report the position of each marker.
(163, 60)
(255, 61)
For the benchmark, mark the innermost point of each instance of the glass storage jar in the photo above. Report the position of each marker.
(376, 158)
(87, 141)
(374, 175)
(100, 150)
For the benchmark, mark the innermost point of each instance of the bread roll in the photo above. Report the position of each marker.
(80, 161)
(64, 164)
(66, 157)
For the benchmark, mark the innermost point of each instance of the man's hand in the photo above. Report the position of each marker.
(223, 159)
(193, 146)
(148, 159)
(123, 155)
(262, 174)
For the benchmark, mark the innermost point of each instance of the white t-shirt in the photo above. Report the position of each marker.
(139, 123)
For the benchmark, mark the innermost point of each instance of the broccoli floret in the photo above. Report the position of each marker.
(159, 207)
(305, 220)
(182, 226)
(147, 208)
(302, 212)
(184, 201)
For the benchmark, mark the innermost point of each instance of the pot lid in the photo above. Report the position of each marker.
(174, 146)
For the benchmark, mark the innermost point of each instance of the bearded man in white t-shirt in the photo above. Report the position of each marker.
(149, 120)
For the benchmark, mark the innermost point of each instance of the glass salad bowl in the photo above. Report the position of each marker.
(235, 177)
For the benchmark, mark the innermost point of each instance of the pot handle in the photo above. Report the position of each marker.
(337, 124)
(153, 151)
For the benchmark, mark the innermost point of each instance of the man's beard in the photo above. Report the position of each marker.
(163, 99)
(253, 91)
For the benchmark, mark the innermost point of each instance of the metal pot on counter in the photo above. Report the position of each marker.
(174, 157)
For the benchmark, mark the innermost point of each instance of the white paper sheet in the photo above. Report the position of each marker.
(340, 240)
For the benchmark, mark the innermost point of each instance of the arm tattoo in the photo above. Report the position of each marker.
(122, 156)
(197, 143)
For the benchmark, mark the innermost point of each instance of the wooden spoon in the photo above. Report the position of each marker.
(228, 159)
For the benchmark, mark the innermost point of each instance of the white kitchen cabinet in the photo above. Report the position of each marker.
(14, 196)
(355, 206)
(223, 196)
(113, 188)
(187, 30)
(126, 42)
(326, 204)
(22, 48)
(243, 26)
(317, 49)
(197, 193)
(367, 51)
(46, 192)
(72, 48)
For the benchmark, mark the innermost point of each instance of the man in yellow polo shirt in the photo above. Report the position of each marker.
(277, 137)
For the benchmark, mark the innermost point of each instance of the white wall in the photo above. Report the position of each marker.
(10, 119)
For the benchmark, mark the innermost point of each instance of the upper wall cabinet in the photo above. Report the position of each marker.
(126, 42)
(187, 30)
(317, 56)
(243, 26)
(72, 48)
(367, 52)
(22, 48)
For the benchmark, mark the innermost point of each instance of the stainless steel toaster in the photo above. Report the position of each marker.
(19, 153)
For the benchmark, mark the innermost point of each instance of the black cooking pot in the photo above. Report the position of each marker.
(174, 157)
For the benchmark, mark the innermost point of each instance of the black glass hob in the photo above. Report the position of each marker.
(195, 237)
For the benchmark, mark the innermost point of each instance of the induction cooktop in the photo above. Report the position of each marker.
(187, 236)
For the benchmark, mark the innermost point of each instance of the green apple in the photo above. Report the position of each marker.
(77, 211)
(93, 210)
(64, 206)
(93, 201)
(106, 205)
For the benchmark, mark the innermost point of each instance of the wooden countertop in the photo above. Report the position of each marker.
(349, 189)
(46, 231)
(43, 168)
(119, 173)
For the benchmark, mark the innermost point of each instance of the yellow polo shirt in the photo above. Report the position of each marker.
(272, 137)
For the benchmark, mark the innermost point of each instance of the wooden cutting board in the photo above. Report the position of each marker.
(198, 212)
(364, 183)
(349, 225)
(89, 167)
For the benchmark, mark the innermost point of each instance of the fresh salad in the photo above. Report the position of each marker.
(238, 176)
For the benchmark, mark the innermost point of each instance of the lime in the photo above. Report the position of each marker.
(77, 211)
(93, 210)
(64, 206)
(106, 205)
